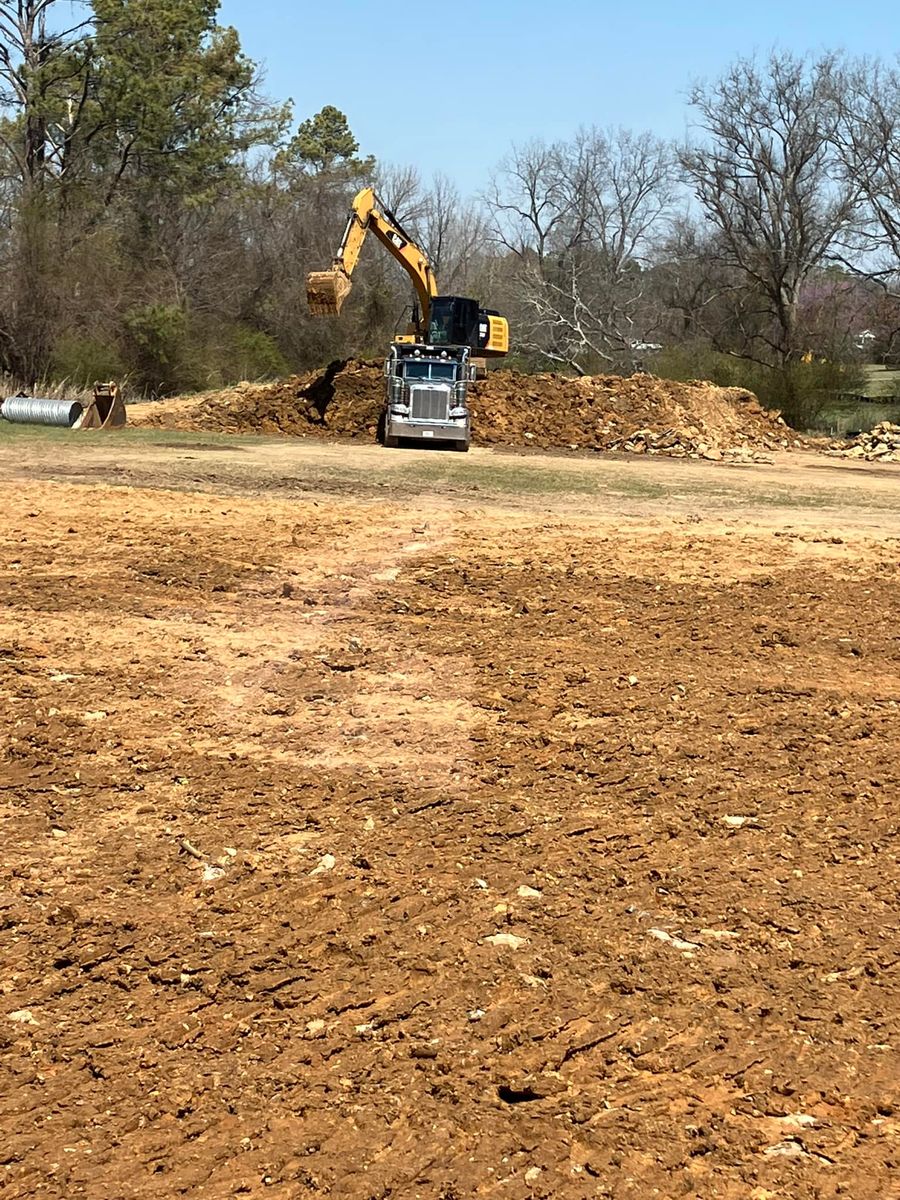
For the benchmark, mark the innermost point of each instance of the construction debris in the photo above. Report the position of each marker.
(879, 444)
(640, 414)
(37, 410)
(105, 410)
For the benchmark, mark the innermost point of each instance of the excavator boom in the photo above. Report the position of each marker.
(326, 291)
(442, 321)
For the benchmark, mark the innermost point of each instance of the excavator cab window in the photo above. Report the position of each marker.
(453, 321)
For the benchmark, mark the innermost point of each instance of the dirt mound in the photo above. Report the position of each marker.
(344, 399)
(881, 444)
(603, 412)
(642, 414)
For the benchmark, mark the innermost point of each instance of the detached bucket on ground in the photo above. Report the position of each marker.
(106, 410)
(33, 410)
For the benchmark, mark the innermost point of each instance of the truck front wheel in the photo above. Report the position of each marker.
(390, 441)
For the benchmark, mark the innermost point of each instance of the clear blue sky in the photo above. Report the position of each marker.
(450, 86)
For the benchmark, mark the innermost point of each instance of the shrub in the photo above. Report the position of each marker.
(801, 392)
(82, 360)
(155, 343)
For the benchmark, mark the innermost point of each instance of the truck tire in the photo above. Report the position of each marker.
(462, 447)
(391, 442)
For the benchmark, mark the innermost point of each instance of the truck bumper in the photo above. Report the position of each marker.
(432, 431)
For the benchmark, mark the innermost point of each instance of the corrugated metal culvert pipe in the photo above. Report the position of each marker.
(32, 410)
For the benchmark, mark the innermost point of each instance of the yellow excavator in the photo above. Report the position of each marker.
(438, 320)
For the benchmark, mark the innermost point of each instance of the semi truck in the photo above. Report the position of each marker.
(426, 394)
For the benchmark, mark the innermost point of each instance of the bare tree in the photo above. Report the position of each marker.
(766, 176)
(42, 56)
(43, 83)
(454, 233)
(867, 136)
(580, 219)
(400, 189)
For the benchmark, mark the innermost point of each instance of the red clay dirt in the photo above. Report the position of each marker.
(402, 848)
(604, 412)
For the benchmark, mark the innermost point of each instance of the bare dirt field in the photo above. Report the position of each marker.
(403, 824)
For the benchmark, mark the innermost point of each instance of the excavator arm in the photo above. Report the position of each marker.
(326, 291)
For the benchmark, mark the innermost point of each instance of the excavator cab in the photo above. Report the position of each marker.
(458, 321)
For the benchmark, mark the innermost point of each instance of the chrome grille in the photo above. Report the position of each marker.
(429, 404)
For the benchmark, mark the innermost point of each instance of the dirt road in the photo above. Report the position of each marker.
(383, 825)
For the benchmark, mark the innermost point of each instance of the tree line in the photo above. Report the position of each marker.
(159, 213)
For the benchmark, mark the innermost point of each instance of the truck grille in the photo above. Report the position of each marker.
(429, 404)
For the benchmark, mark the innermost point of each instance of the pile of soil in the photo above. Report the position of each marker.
(342, 400)
(641, 414)
(880, 444)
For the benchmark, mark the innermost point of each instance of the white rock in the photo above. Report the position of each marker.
(211, 874)
(786, 1149)
(735, 822)
(506, 939)
(798, 1121)
(481, 883)
(533, 1174)
(23, 1017)
(679, 943)
(528, 893)
(326, 863)
(534, 981)
(314, 1027)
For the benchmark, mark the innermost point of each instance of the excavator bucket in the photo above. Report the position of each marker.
(106, 410)
(326, 292)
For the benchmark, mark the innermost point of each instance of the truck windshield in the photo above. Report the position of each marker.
(429, 370)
